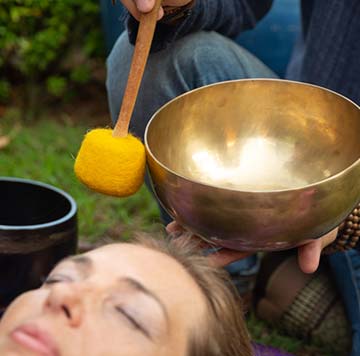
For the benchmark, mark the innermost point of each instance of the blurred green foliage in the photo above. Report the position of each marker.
(51, 44)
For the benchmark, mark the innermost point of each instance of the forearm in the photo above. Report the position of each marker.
(228, 17)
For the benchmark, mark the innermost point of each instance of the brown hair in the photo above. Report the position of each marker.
(224, 332)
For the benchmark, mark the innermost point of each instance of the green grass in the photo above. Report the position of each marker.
(265, 334)
(45, 151)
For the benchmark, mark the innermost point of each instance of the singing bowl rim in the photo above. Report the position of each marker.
(194, 181)
(67, 217)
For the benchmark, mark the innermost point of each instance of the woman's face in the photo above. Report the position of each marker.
(118, 300)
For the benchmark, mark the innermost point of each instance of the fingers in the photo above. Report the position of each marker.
(144, 5)
(131, 7)
(137, 7)
(161, 13)
(219, 258)
(329, 238)
(173, 227)
(309, 254)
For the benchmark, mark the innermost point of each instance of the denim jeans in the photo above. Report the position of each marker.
(196, 60)
(346, 270)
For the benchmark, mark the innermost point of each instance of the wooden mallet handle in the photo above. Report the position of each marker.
(141, 52)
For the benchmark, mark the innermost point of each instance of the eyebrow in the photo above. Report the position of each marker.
(141, 288)
(84, 263)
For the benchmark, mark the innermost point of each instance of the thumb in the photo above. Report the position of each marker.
(309, 256)
(144, 5)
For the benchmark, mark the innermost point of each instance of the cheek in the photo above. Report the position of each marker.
(112, 338)
(22, 308)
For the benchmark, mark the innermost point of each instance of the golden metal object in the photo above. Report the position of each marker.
(256, 164)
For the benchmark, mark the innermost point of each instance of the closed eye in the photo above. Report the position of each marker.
(133, 321)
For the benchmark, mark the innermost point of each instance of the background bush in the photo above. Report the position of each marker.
(48, 46)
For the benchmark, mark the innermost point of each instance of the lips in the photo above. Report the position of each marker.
(35, 339)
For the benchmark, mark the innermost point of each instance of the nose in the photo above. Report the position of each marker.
(66, 299)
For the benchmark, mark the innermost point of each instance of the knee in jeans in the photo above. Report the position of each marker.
(207, 57)
(200, 46)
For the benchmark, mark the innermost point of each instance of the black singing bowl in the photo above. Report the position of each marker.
(38, 228)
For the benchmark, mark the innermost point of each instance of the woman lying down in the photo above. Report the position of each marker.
(146, 298)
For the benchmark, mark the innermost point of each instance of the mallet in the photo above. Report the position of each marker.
(109, 161)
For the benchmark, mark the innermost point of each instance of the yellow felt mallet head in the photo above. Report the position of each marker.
(111, 165)
(113, 162)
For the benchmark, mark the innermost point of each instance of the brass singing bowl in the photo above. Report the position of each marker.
(256, 164)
